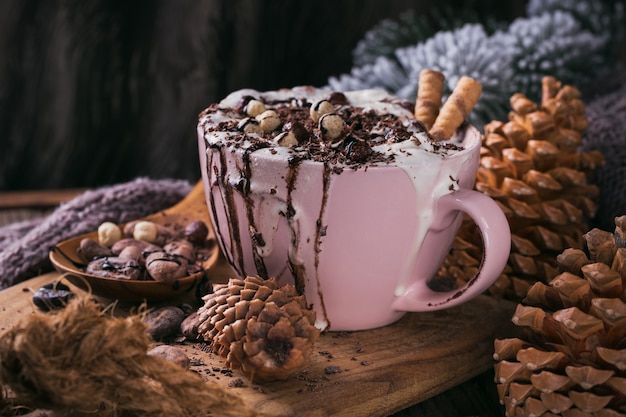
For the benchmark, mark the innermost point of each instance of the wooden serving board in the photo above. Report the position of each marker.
(365, 373)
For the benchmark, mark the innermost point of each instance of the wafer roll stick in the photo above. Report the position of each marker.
(429, 94)
(456, 108)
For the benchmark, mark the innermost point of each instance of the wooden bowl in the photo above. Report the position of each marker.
(67, 260)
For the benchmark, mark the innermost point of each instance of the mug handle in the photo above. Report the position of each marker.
(496, 236)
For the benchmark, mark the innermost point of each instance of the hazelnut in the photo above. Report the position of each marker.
(164, 233)
(250, 125)
(114, 267)
(196, 232)
(109, 233)
(146, 231)
(254, 108)
(286, 139)
(268, 120)
(331, 125)
(320, 108)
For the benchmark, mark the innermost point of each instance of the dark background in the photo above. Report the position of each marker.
(102, 91)
(96, 92)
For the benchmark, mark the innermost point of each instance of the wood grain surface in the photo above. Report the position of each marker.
(366, 373)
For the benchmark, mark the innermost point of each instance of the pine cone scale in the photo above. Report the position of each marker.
(573, 351)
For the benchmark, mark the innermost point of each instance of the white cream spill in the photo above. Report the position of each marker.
(429, 186)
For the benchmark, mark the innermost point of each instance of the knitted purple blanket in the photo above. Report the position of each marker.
(24, 246)
(607, 133)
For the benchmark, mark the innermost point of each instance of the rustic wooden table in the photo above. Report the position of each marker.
(433, 364)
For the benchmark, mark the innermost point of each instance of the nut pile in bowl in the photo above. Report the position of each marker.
(144, 250)
(151, 259)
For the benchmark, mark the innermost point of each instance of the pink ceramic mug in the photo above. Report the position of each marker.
(362, 244)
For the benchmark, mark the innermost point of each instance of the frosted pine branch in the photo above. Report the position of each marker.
(570, 40)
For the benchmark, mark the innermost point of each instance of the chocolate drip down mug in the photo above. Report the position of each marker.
(361, 238)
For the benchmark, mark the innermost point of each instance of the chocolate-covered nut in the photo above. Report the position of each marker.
(196, 232)
(320, 108)
(52, 296)
(268, 120)
(250, 125)
(164, 322)
(286, 139)
(166, 267)
(331, 125)
(109, 233)
(358, 150)
(300, 102)
(89, 249)
(337, 98)
(114, 267)
(172, 354)
(243, 102)
(182, 248)
(300, 132)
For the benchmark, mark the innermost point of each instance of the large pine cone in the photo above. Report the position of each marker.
(531, 165)
(265, 330)
(571, 360)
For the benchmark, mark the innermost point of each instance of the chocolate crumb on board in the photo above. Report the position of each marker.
(237, 383)
(326, 354)
(333, 369)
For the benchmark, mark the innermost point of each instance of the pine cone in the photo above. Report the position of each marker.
(532, 167)
(265, 330)
(571, 360)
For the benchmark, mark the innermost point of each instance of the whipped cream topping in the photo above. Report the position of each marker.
(378, 128)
